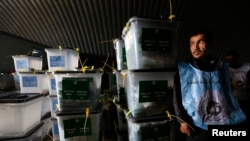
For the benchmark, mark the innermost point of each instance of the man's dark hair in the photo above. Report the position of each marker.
(207, 33)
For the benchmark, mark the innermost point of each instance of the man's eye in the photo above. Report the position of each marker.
(202, 42)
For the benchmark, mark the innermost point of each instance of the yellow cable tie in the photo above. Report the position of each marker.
(57, 107)
(101, 70)
(77, 49)
(113, 41)
(112, 99)
(113, 69)
(87, 112)
(127, 114)
(124, 76)
(78, 56)
(86, 118)
(85, 61)
(171, 17)
(127, 27)
(106, 41)
(60, 47)
(171, 9)
(60, 50)
(21, 55)
(105, 62)
(169, 115)
(84, 68)
(50, 136)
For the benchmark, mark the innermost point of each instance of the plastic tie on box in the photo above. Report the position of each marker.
(87, 115)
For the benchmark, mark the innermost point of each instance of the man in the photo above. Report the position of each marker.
(240, 75)
(202, 91)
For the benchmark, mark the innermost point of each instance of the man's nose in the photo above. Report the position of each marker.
(197, 45)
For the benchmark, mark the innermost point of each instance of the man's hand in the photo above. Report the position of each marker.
(185, 129)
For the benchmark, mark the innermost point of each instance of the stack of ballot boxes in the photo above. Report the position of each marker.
(119, 47)
(75, 97)
(22, 110)
(121, 125)
(30, 77)
(150, 47)
(53, 106)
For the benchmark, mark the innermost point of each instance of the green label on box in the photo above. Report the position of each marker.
(77, 127)
(154, 39)
(153, 91)
(156, 133)
(75, 88)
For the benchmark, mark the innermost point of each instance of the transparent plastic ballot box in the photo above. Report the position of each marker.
(150, 43)
(61, 59)
(27, 63)
(120, 52)
(149, 92)
(78, 90)
(33, 82)
(34, 134)
(158, 128)
(79, 126)
(19, 113)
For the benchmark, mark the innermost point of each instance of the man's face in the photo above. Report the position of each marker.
(198, 46)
